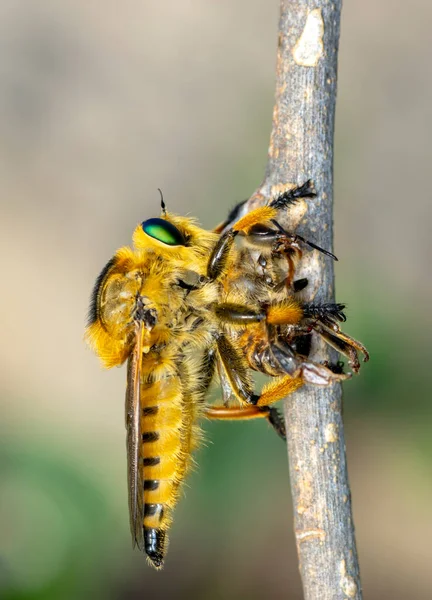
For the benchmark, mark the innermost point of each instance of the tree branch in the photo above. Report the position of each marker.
(301, 147)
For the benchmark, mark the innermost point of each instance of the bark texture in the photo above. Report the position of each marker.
(301, 148)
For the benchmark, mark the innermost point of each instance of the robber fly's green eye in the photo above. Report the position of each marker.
(164, 232)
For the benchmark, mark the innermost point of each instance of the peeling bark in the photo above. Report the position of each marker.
(301, 148)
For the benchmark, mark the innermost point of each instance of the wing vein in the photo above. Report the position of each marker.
(133, 439)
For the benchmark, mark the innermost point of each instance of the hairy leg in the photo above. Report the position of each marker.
(270, 413)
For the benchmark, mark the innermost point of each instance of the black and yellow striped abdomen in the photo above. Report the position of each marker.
(166, 426)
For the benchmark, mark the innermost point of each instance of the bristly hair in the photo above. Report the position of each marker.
(92, 316)
(323, 311)
(290, 197)
(234, 213)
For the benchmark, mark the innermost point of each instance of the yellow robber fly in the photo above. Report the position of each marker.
(185, 302)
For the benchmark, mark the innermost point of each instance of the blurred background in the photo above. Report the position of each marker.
(101, 103)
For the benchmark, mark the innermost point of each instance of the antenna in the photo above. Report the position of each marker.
(162, 202)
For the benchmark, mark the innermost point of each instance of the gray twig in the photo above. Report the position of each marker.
(301, 147)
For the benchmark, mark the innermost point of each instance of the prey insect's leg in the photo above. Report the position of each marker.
(220, 253)
(265, 214)
(231, 218)
(290, 239)
(233, 364)
(287, 313)
(287, 360)
(327, 313)
(252, 221)
(219, 256)
(270, 413)
(253, 224)
(235, 370)
(289, 197)
(254, 218)
(285, 199)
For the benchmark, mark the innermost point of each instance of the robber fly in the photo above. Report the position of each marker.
(184, 302)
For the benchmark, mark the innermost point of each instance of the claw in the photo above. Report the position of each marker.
(320, 375)
(343, 343)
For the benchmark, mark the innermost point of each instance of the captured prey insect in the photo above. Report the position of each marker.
(184, 302)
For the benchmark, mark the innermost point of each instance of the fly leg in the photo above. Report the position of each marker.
(287, 313)
(281, 244)
(299, 367)
(233, 365)
(344, 344)
(270, 413)
(293, 314)
(233, 369)
(323, 318)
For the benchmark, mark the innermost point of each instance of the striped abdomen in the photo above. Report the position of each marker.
(166, 424)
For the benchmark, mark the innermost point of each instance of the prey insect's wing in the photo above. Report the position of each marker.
(228, 397)
(134, 439)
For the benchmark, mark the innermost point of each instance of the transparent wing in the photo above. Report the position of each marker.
(134, 440)
(228, 397)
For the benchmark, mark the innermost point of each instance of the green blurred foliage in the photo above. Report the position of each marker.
(56, 523)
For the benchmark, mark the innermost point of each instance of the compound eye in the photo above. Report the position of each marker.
(164, 232)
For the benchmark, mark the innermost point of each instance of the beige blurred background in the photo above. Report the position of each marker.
(101, 103)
